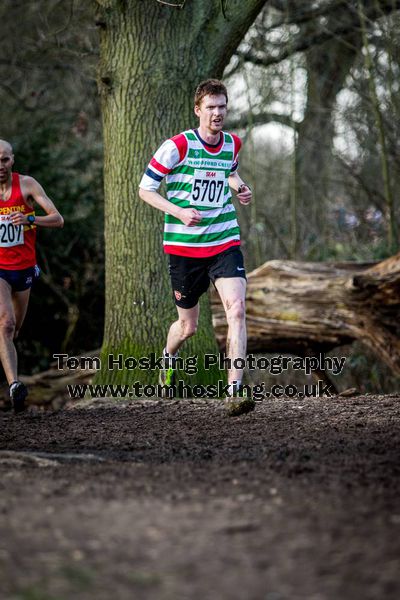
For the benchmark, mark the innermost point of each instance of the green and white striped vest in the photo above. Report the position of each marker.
(200, 181)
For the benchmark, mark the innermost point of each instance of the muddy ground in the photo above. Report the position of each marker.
(174, 500)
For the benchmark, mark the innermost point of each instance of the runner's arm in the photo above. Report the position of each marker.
(188, 216)
(32, 189)
(168, 155)
(236, 183)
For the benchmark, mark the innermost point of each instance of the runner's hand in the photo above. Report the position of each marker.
(245, 195)
(189, 216)
(17, 218)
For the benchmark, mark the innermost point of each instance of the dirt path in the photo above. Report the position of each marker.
(299, 500)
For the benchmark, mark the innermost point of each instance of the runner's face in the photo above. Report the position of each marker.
(6, 163)
(212, 112)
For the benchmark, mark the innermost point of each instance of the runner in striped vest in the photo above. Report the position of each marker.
(201, 232)
(199, 180)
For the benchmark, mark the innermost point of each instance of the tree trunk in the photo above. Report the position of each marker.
(384, 157)
(308, 308)
(152, 58)
(327, 68)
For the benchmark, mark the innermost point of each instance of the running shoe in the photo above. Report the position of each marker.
(239, 404)
(18, 393)
(167, 377)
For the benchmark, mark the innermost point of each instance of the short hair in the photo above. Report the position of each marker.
(209, 87)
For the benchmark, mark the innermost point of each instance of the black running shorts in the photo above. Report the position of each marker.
(190, 277)
(20, 279)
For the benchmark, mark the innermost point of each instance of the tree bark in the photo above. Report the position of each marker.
(327, 68)
(152, 57)
(307, 308)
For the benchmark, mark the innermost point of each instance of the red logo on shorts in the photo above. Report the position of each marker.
(178, 295)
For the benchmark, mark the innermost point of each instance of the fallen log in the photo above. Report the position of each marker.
(310, 308)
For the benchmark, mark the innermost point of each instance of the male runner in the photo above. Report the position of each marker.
(18, 268)
(201, 233)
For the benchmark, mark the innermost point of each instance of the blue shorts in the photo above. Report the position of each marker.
(20, 279)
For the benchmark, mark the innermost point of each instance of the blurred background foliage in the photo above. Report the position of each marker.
(50, 114)
(314, 93)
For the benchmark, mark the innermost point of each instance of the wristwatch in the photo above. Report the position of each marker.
(31, 219)
(240, 188)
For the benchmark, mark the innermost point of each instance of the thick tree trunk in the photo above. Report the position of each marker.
(152, 58)
(327, 68)
(306, 308)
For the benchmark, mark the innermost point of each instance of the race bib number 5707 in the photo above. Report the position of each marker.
(10, 235)
(208, 189)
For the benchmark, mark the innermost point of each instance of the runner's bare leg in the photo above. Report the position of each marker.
(8, 353)
(20, 303)
(232, 291)
(183, 328)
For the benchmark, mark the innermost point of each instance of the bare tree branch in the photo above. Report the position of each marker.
(262, 118)
(306, 40)
(303, 14)
(372, 193)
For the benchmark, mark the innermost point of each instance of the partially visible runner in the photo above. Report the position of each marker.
(18, 268)
(201, 233)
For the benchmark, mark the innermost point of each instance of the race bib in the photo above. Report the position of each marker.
(208, 189)
(10, 235)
